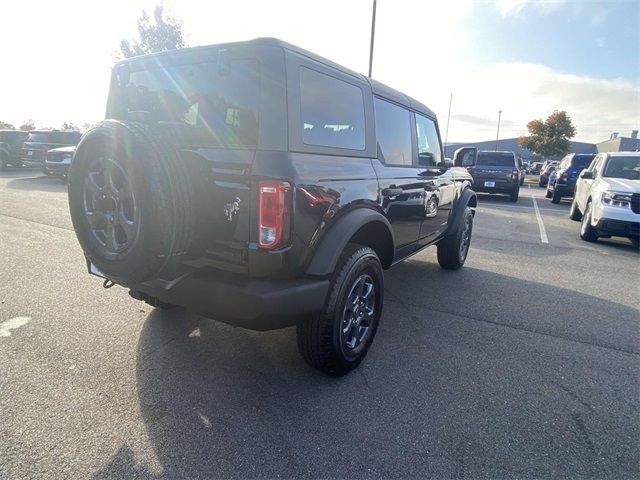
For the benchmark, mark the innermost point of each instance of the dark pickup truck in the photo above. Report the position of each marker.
(11, 148)
(497, 172)
(264, 186)
(39, 142)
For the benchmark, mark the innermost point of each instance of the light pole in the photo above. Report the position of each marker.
(446, 135)
(373, 34)
(498, 132)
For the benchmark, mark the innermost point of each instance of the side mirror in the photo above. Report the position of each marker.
(448, 163)
(465, 157)
(586, 174)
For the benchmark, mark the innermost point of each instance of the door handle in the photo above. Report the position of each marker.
(391, 192)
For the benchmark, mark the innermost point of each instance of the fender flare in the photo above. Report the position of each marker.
(467, 197)
(336, 239)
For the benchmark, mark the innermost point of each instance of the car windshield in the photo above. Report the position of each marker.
(209, 104)
(582, 161)
(495, 159)
(623, 167)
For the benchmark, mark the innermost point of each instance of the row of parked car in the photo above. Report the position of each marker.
(605, 192)
(49, 150)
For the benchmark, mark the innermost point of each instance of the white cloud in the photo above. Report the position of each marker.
(526, 91)
(515, 7)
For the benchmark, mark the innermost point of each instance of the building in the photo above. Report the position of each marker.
(620, 144)
(511, 145)
(614, 144)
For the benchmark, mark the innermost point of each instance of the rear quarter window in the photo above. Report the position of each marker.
(331, 111)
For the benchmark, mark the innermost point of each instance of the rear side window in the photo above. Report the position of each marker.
(331, 111)
(38, 137)
(429, 153)
(208, 104)
(582, 161)
(393, 131)
(496, 159)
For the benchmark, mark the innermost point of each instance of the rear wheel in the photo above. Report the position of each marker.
(453, 249)
(337, 339)
(548, 193)
(513, 196)
(587, 232)
(556, 197)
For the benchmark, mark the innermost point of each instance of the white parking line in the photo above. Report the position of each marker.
(543, 231)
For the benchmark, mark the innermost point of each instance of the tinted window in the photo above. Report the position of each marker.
(332, 111)
(623, 167)
(70, 138)
(209, 104)
(496, 159)
(38, 137)
(393, 131)
(429, 153)
(582, 161)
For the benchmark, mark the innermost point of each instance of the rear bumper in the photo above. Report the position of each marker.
(566, 190)
(501, 186)
(57, 168)
(255, 304)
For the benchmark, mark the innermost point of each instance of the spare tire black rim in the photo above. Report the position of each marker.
(359, 312)
(110, 206)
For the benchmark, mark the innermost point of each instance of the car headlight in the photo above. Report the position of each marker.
(614, 199)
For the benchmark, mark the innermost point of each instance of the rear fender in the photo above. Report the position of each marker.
(336, 239)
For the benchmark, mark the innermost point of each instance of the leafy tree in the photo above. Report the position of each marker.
(6, 126)
(28, 125)
(164, 32)
(69, 126)
(551, 137)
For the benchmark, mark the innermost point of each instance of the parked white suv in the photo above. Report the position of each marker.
(607, 197)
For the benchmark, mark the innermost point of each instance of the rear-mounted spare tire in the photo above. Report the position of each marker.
(131, 204)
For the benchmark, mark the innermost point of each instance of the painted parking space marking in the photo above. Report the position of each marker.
(12, 324)
(543, 231)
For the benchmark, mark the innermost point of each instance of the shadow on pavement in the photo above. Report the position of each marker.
(457, 384)
(38, 181)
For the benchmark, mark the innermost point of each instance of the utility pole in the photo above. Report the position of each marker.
(373, 34)
(498, 133)
(446, 135)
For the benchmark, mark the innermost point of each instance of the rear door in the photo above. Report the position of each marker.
(401, 186)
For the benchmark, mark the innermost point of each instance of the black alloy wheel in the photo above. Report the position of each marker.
(359, 314)
(110, 206)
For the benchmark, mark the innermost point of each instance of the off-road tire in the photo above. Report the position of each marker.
(319, 338)
(587, 232)
(574, 211)
(164, 198)
(450, 249)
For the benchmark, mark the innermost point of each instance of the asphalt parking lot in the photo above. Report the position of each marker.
(525, 363)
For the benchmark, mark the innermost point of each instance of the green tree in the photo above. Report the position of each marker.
(551, 137)
(6, 126)
(164, 32)
(69, 126)
(28, 125)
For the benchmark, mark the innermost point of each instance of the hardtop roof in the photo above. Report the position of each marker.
(378, 88)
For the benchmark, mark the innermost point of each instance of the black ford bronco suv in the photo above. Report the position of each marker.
(261, 185)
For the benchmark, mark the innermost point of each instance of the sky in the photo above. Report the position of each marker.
(522, 57)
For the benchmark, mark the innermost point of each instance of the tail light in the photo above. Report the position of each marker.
(564, 176)
(274, 214)
(515, 174)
